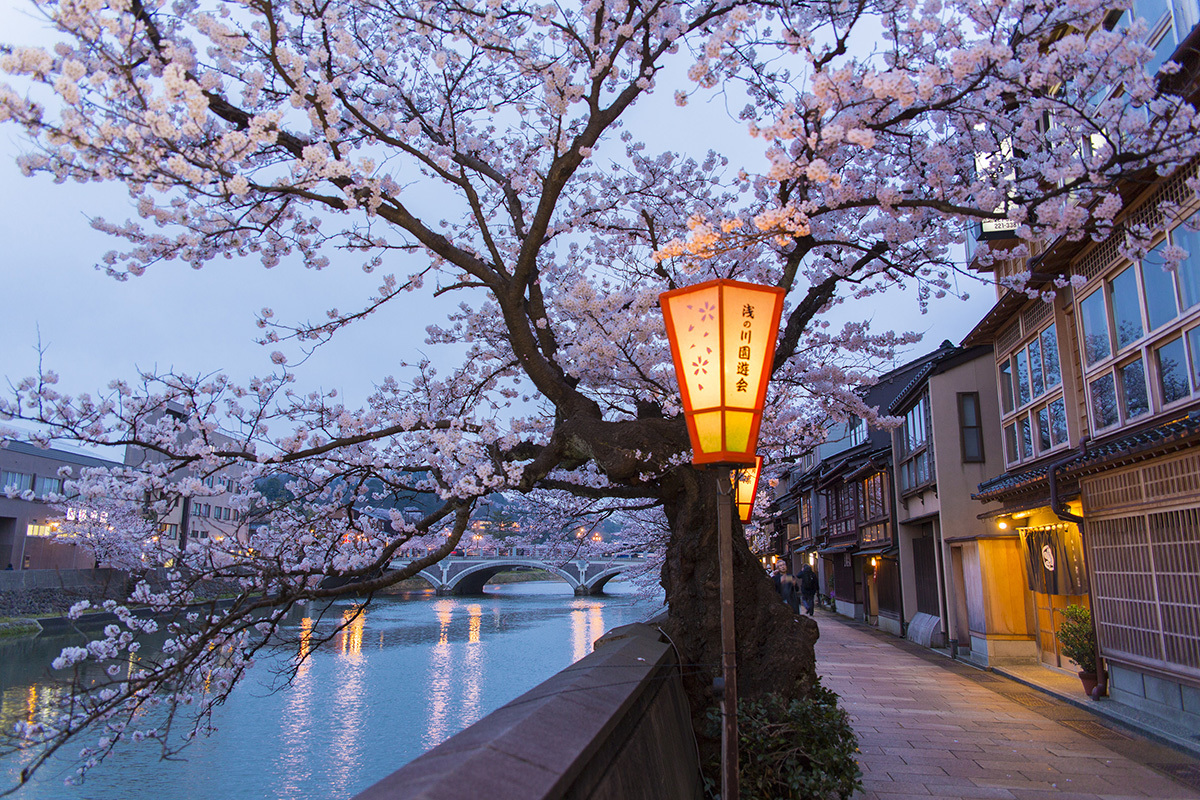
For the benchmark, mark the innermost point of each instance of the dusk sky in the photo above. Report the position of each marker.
(94, 328)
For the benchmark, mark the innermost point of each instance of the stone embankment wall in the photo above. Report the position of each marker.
(31, 592)
(614, 725)
(41, 592)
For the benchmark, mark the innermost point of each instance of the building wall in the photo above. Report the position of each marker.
(17, 515)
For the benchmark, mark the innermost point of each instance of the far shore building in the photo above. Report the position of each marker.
(28, 522)
(202, 517)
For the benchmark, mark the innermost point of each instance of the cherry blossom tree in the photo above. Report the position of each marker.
(479, 149)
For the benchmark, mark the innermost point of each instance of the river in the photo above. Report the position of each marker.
(411, 672)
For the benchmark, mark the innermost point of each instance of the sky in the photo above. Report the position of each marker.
(92, 328)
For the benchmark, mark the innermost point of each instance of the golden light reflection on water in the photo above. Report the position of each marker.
(306, 626)
(349, 704)
(441, 665)
(295, 761)
(472, 666)
(354, 621)
(587, 625)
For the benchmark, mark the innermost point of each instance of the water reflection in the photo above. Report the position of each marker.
(440, 676)
(351, 714)
(587, 625)
(294, 761)
(349, 700)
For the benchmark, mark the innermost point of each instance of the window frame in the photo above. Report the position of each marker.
(912, 453)
(963, 427)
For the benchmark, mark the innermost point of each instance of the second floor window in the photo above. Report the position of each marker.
(916, 465)
(970, 426)
(1030, 372)
(858, 431)
(16, 481)
(1139, 353)
(873, 497)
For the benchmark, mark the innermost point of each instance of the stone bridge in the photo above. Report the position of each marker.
(467, 575)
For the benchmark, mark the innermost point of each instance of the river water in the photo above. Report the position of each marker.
(411, 672)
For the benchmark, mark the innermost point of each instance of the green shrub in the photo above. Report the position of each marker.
(1078, 637)
(797, 750)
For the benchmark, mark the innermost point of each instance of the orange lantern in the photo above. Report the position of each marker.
(745, 487)
(722, 337)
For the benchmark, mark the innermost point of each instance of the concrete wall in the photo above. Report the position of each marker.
(613, 726)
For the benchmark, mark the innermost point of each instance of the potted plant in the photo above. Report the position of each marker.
(1078, 639)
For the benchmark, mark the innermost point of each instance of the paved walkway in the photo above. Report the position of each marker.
(932, 728)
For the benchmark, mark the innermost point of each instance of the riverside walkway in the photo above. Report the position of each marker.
(930, 728)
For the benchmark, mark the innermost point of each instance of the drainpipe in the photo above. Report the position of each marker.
(1056, 504)
(1060, 510)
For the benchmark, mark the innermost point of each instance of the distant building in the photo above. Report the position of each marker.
(203, 517)
(28, 527)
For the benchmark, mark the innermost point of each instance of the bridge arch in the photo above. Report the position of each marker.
(472, 579)
(595, 584)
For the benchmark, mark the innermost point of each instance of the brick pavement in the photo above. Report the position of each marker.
(933, 728)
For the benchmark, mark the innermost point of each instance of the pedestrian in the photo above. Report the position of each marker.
(10, 566)
(785, 584)
(806, 581)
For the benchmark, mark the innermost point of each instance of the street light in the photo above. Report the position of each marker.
(745, 488)
(722, 336)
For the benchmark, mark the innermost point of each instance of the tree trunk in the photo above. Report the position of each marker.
(774, 646)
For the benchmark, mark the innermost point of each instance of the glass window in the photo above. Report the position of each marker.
(1022, 378)
(1193, 337)
(1058, 422)
(972, 428)
(1133, 389)
(1150, 10)
(1127, 312)
(1043, 429)
(1026, 437)
(1172, 371)
(1160, 289)
(1188, 273)
(1096, 343)
(1006, 386)
(1035, 368)
(1049, 339)
(1104, 401)
(17, 481)
(1010, 443)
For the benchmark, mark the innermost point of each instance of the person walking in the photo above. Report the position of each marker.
(785, 584)
(806, 581)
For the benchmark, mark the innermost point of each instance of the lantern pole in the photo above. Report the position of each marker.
(729, 726)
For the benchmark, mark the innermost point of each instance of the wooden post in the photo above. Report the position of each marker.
(729, 727)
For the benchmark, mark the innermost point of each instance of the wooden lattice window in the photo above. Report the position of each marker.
(1173, 479)
(1175, 542)
(1145, 590)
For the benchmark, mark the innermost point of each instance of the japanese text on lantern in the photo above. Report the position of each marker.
(743, 364)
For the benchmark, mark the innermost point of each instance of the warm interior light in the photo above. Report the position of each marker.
(745, 486)
(874, 562)
(1002, 525)
(722, 336)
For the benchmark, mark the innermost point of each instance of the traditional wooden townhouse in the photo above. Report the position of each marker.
(839, 507)
(948, 442)
(1099, 395)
